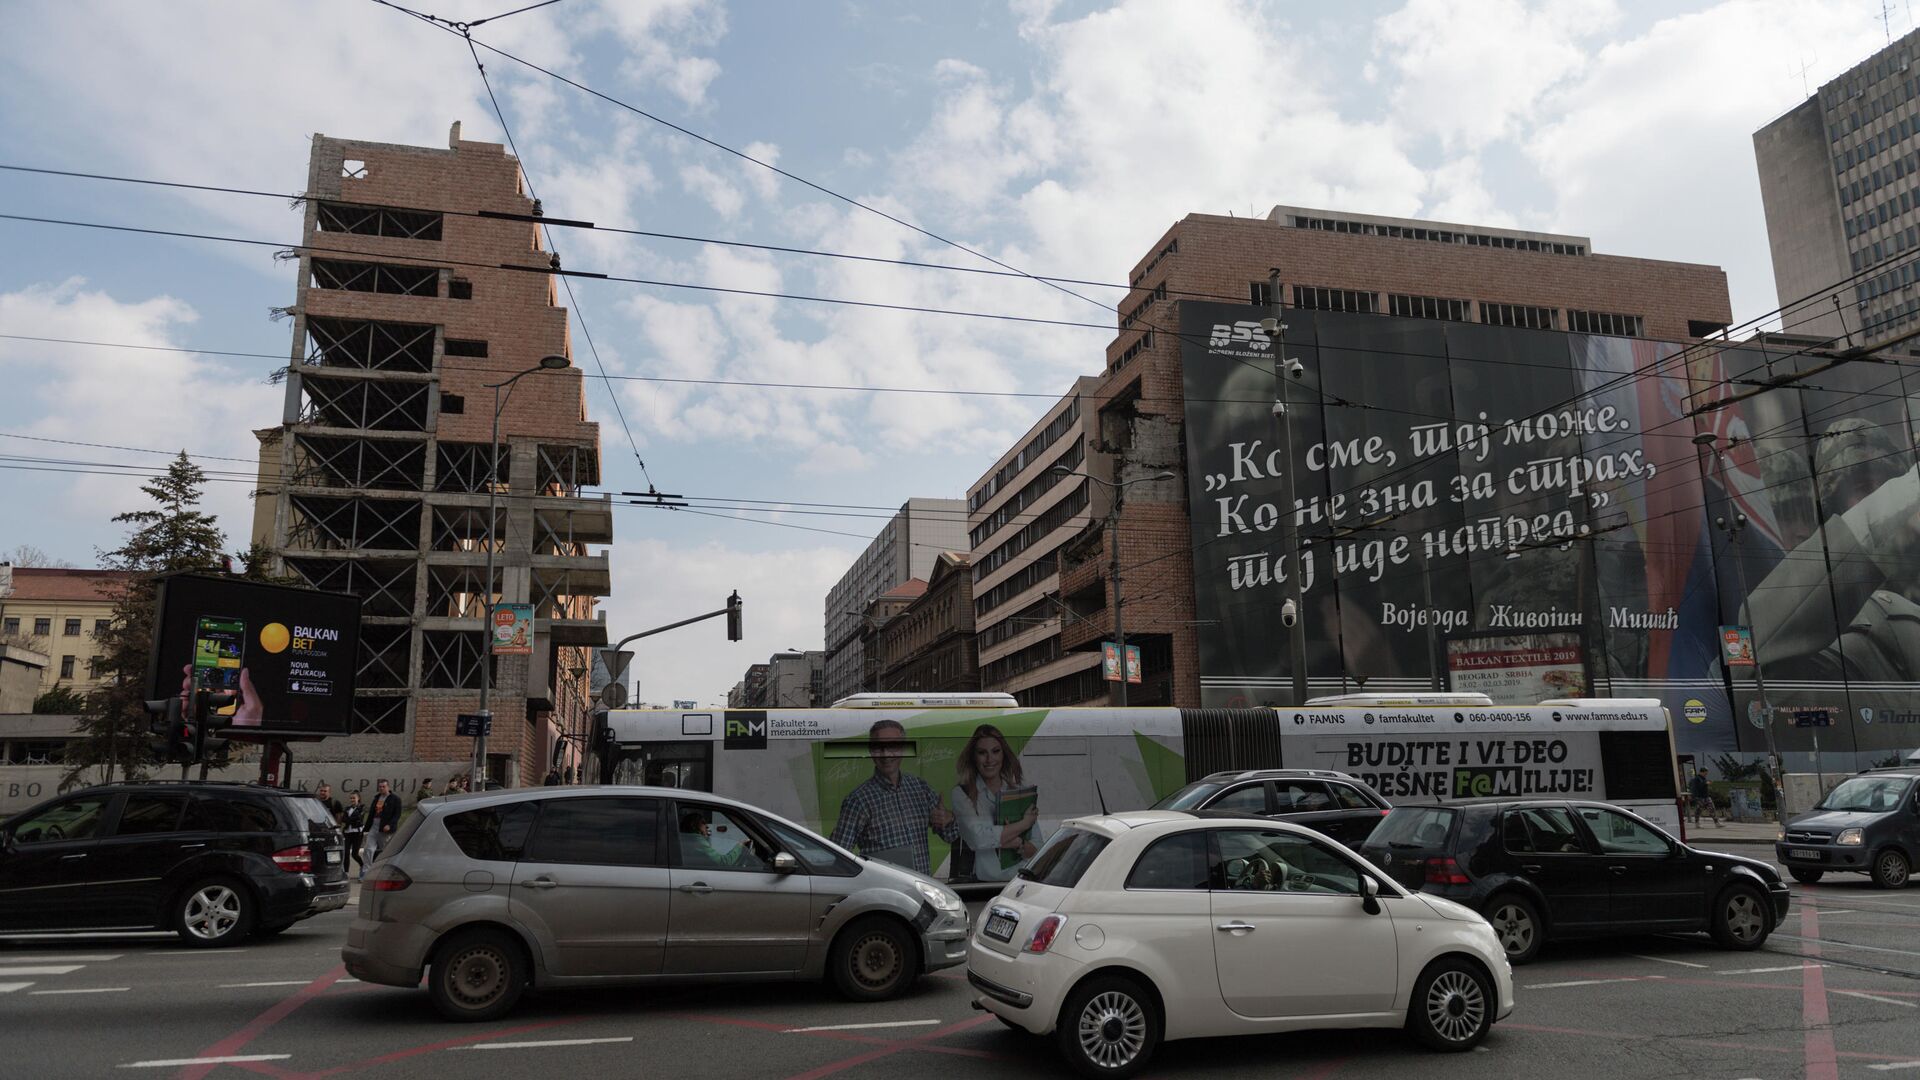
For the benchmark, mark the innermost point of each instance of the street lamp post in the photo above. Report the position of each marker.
(1293, 613)
(547, 363)
(1733, 522)
(1113, 550)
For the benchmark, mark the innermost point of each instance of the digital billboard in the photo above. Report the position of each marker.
(290, 654)
(1465, 479)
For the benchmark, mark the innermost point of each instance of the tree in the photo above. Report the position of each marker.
(171, 535)
(28, 555)
(60, 701)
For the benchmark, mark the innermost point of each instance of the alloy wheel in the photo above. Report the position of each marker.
(1113, 1029)
(1745, 920)
(1456, 1006)
(212, 912)
(1514, 925)
(1893, 869)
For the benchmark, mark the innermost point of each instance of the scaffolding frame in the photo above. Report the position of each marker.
(379, 715)
(464, 528)
(466, 466)
(349, 276)
(331, 523)
(451, 659)
(386, 656)
(384, 586)
(460, 592)
(348, 461)
(378, 221)
(368, 404)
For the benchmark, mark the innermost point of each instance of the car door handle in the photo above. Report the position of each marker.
(75, 855)
(1617, 870)
(1533, 869)
(1235, 927)
(202, 843)
(540, 883)
(700, 887)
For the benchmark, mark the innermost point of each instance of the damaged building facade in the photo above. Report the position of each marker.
(422, 281)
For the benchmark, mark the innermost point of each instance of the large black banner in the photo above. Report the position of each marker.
(1457, 478)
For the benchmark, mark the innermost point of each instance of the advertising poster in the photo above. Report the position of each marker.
(1736, 646)
(512, 629)
(1518, 669)
(1458, 478)
(290, 654)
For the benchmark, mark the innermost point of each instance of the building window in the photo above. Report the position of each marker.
(1704, 327)
(1315, 298)
(43, 627)
(10, 626)
(1604, 322)
(100, 626)
(452, 404)
(1534, 318)
(66, 667)
(93, 667)
(72, 628)
(460, 289)
(1427, 307)
(1260, 293)
(457, 347)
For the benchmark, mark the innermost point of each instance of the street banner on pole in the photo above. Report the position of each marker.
(512, 627)
(1736, 646)
(1110, 662)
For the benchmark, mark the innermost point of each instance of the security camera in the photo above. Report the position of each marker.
(1289, 614)
(1271, 326)
(1279, 408)
(1296, 369)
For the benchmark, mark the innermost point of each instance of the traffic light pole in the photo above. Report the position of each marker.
(733, 606)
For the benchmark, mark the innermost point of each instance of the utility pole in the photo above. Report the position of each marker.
(1733, 523)
(1113, 563)
(1293, 613)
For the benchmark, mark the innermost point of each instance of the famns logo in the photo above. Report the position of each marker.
(1244, 334)
(745, 731)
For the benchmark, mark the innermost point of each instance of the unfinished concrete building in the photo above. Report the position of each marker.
(412, 299)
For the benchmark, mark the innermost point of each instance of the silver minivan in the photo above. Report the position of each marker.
(488, 894)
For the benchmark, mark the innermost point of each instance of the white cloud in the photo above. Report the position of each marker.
(764, 182)
(713, 189)
(164, 401)
(659, 37)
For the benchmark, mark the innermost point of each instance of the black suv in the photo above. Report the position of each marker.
(1540, 869)
(1869, 824)
(1331, 803)
(213, 862)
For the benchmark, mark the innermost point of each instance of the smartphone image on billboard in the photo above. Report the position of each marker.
(219, 648)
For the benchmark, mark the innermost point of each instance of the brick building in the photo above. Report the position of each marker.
(1326, 261)
(1032, 500)
(928, 646)
(376, 480)
(58, 611)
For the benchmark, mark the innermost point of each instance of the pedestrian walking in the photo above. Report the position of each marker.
(1700, 795)
(325, 794)
(353, 819)
(382, 818)
(553, 777)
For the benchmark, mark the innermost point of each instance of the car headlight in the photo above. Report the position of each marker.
(940, 898)
(1780, 832)
(1850, 838)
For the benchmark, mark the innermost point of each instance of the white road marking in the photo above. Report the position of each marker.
(1876, 997)
(338, 981)
(1890, 1066)
(171, 1063)
(202, 953)
(536, 1045)
(76, 958)
(51, 969)
(286, 982)
(1664, 960)
(1590, 982)
(1830, 944)
(93, 990)
(1768, 970)
(863, 1027)
(8, 988)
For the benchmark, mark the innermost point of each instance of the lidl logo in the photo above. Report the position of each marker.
(745, 731)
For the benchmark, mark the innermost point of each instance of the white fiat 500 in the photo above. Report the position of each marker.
(1127, 929)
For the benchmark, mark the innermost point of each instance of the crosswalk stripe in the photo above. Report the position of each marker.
(233, 1060)
(75, 958)
(90, 990)
(10, 987)
(49, 969)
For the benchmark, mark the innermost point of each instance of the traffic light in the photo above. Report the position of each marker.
(202, 722)
(734, 631)
(170, 733)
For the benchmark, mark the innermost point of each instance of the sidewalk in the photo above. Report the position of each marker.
(1728, 832)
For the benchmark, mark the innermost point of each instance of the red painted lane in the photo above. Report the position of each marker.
(444, 1044)
(874, 1055)
(1822, 1062)
(233, 1044)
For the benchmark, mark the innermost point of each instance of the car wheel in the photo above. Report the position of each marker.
(1109, 1027)
(1517, 924)
(1806, 877)
(1453, 1005)
(477, 975)
(1739, 919)
(213, 912)
(1890, 869)
(873, 960)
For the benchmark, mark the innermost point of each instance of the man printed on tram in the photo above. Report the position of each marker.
(889, 815)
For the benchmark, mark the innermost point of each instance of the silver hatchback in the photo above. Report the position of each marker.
(488, 894)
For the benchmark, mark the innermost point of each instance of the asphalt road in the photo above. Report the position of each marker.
(1835, 992)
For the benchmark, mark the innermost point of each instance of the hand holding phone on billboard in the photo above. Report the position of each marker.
(246, 712)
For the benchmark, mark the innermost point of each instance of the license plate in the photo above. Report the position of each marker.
(1803, 853)
(332, 856)
(1000, 927)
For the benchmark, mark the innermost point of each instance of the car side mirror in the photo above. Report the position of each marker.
(784, 863)
(1370, 898)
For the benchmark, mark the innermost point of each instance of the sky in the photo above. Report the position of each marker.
(1059, 138)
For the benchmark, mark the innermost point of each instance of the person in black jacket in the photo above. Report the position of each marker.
(353, 821)
(383, 817)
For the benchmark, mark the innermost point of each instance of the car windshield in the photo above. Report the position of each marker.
(1188, 797)
(1064, 859)
(1872, 794)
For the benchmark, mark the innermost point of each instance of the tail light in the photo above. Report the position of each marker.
(1043, 934)
(1445, 870)
(294, 860)
(388, 878)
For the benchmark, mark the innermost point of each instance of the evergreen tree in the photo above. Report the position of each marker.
(171, 535)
